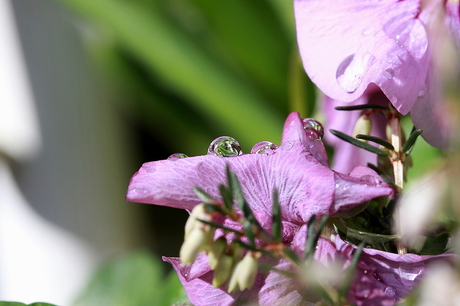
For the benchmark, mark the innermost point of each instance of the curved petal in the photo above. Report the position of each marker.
(346, 45)
(294, 131)
(453, 19)
(430, 114)
(384, 278)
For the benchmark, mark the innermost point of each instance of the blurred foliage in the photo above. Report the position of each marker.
(21, 304)
(192, 70)
(133, 280)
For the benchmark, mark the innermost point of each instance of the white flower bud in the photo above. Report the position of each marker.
(245, 273)
(198, 212)
(215, 251)
(192, 246)
(363, 126)
(223, 270)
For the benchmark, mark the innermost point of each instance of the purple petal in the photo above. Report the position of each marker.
(294, 131)
(346, 155)
(384, 278)
(453, 19)
(346, 45)
(431, 115)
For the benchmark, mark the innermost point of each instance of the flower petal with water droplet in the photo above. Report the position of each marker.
(346, 45)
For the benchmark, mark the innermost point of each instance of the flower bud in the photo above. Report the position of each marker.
(363, 126)
(223, 270)
(245, 272)
(192, 246)
(198, 212)
(215, 251)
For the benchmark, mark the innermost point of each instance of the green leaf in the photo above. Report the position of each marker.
(377, 140)
(204, 196)
(361, 107)
(22, 304)
(359, 143)
(436, 245)
(136, 279)
(353, 231)
(277, 226)
(407, 148)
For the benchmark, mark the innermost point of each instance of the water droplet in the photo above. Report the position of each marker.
(376, 276)
(225, 146)
(313, 129)
(287, 145)
(365, 271)
(140, 190)
(366, 296)
(366, 32)
(390, 291)
(352, 70)
(264, 147)
(176, 156)
(422, 91)
(389, 73)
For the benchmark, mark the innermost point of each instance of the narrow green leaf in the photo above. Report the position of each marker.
(249, 233)
(276, 217)
(377, 140)
(214, 208)
(353, 231)
(407, 148)
(310, 241)
(241, 201)
(361, 107)
(230, 184)
(204, 196)
(359, 143)
(226, 197)
(346, 283)
(218, 225)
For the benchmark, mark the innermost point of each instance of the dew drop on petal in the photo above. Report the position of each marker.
(140, 190)
(388, 73)
(225, 146)
(422, 91)
(365, 271)
(313, 129)
(352, 70)
(390, 291)
(264, 147)
(176, 156)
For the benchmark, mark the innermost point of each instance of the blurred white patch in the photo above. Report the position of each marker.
(418, 207)
(19, 130)
(440, 286)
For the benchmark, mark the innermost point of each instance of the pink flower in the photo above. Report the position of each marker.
(347, 44)
(298, 169)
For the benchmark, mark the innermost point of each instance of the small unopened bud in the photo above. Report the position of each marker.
(363, 126)
(215, 251)
(192, 246)
(223, 270)
(245, 272)
(198, 212)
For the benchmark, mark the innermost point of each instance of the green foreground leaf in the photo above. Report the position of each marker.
(137, 280)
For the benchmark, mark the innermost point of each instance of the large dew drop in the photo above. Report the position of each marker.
(264, 147)
(352, 69)
(313, 129)
(225, 146)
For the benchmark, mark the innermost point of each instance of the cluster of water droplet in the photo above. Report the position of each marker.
(226, 146)
(313, 129)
